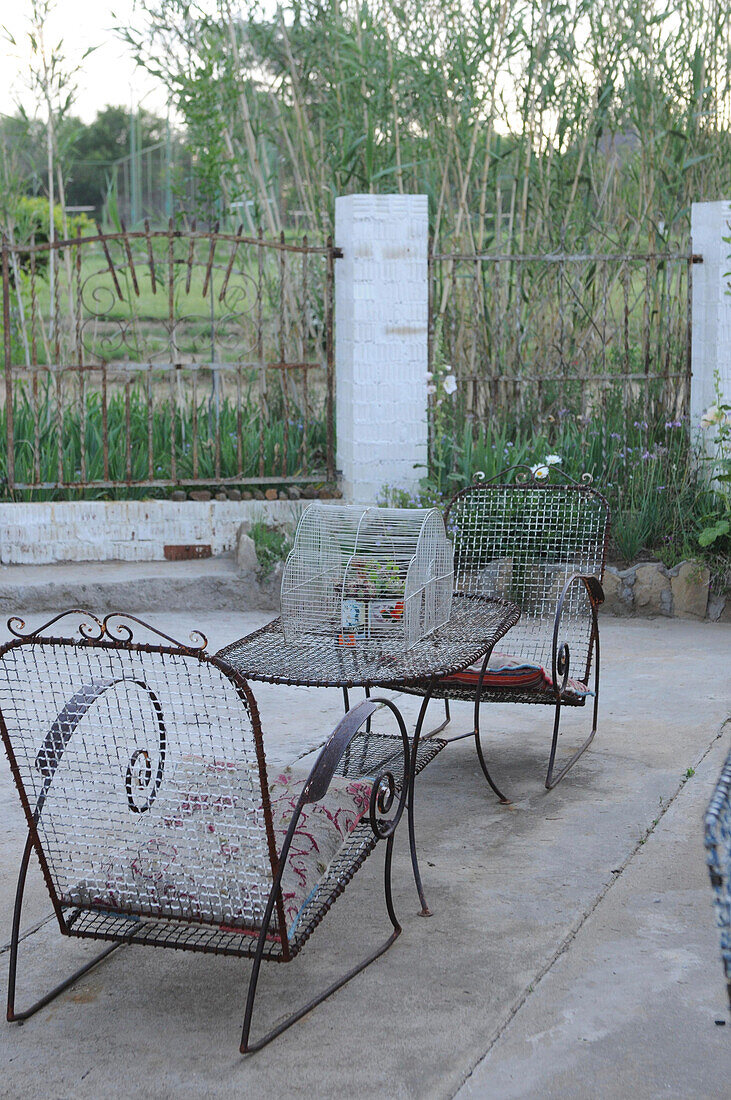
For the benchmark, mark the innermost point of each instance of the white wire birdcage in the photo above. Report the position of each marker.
(367, 575)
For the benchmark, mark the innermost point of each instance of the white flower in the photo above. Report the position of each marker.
(449, 384)
(431, 388)
(540, 471)
(712, 415)
(429, 376)
(552, 460)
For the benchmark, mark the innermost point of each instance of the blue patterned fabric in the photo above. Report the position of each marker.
(718, 858)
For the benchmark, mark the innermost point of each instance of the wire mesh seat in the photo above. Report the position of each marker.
(718, 858)
(542, 546)
(141, 772)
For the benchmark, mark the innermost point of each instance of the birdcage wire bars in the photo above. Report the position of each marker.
(376, 576)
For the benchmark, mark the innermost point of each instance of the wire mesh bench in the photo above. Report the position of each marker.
(718, 857)
(141, 772)
(542, 546)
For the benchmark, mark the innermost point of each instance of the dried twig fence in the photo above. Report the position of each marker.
(167, 358)
(538, 334)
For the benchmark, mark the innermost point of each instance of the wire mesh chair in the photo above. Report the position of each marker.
(141, 772)
(542, 546)
(718, 858)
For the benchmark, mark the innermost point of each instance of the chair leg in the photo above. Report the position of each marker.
(481, 757)
(11, 1014)
(248, 1047)
(478, 744)
(442, 725)
(551, 779)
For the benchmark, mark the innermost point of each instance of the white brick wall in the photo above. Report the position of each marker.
(117, 530)
(710, 223)
(381, 310)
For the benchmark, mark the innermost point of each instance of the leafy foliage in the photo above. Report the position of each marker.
(86, 423)
(272, 545)
(529, 124)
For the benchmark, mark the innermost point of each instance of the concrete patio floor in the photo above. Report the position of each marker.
(572, 951)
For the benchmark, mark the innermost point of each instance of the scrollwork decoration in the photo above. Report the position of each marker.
(122, 632)
(383, 794)
(563, 664)
(525, 475)
(90, 627)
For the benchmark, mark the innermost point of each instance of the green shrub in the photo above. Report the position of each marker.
(272, 545)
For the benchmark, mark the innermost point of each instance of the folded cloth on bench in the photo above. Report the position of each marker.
(506, 672)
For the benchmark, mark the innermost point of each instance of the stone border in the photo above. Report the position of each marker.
(649, 589)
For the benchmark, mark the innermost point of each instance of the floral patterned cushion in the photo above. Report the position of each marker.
(188, 856)
(320, 832)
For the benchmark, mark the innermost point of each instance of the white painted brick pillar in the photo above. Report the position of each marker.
(381, 311)
(711, 351)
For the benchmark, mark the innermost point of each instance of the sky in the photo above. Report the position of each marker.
(109, 75)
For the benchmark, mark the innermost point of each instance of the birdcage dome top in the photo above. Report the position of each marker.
(367, 575)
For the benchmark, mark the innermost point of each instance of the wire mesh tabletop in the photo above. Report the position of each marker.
(475, 625)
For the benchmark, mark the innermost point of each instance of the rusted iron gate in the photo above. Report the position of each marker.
(164, 358)
(543, 333)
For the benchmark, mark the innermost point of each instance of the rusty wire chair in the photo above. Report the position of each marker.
(718, 858)
(543, 546)
(141, 772)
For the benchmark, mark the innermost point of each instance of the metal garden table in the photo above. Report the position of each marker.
(475, 625)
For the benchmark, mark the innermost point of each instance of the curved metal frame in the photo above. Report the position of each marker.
(560, 670)
(387, 798)
(10, 1014)
(381, 802)
(47, 761)
(526, 477)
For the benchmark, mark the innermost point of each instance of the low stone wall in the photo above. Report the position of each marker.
(650, 589)
(134, 530)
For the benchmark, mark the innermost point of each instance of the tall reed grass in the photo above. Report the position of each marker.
(282, 445)
(532, 124)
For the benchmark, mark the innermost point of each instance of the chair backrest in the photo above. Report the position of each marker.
(522, 542)
(142, 775)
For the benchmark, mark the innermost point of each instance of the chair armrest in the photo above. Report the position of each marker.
(332, 752)
(383, 791)
(593, 587)
(384, 787)
(560, 654)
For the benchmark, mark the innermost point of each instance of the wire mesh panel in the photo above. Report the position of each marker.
(522, 543)
(380, 576)
(142, 773)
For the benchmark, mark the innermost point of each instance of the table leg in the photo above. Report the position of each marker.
(425, 910)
